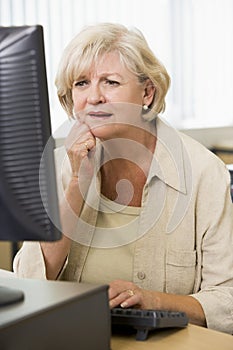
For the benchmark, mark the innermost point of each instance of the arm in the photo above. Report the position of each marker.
(46, 259)
(120, 294)
(55, 253)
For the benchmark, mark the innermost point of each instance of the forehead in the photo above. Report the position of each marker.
(108, 63)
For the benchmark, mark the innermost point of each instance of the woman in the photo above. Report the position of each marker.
(143, 207)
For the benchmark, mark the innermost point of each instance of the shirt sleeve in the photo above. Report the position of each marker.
(215, 255)
(23, 266)
(29, 261)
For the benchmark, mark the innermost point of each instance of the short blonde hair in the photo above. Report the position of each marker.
(96, 40)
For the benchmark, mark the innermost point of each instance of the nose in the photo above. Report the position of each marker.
(95, 95)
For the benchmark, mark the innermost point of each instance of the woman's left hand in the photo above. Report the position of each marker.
(127, 294)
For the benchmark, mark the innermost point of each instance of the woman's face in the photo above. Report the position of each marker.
(109, 97)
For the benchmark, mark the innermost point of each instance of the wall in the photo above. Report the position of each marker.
(212, 137)
(5, 256)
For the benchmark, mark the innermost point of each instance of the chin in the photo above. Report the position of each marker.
(102, 131)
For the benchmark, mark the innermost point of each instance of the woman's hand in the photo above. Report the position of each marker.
(126, 294)
(79, 143)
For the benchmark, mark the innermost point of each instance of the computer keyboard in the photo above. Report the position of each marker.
(144, 321)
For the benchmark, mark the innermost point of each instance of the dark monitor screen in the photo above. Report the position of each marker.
(24, 132)
(28, 197)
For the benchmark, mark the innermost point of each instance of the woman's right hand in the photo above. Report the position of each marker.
(79, 143)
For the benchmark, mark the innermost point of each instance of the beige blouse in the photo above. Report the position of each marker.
(105, 264)
(183, 243)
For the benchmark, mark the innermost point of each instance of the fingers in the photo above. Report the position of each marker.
(124, 300)
(124, 294)
(78, 152)
(89, 144)
(79, 133)
(78, 143)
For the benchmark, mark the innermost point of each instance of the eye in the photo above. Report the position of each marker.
(112, 82)
(81, 83)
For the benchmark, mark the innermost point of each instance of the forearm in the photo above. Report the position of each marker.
(184, 303)
(55, 253)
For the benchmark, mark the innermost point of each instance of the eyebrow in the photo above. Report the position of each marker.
(111, 73)
(84, 76)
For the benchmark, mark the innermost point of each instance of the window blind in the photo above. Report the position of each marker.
(193, 38)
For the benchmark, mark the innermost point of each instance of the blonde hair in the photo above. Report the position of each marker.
(92, 43)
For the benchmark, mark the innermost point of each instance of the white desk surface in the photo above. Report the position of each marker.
(7, 274)
(189, 338)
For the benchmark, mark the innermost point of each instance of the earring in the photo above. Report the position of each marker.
(145, 107)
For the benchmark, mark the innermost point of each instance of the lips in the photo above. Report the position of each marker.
(99, 114)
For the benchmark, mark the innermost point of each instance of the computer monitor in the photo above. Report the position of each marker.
(28, 196)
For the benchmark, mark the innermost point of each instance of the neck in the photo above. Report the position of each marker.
(122, 154)
(125, 168)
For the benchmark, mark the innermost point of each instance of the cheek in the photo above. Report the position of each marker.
(78, 101)
(78, 106)
(133, 95)
(138, 94)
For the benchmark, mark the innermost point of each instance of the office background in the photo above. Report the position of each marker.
(193, 38)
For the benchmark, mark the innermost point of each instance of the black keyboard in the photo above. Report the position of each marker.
(144, 321)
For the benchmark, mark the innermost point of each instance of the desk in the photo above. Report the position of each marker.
(190, 338)
(55, 315)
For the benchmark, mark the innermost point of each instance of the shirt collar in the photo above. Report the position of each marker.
(168, 160)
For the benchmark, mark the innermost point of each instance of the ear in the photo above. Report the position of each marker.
(149, 92)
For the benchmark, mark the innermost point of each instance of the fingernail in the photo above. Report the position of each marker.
(124, 304)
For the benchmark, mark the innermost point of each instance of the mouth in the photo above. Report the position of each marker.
(99, 114)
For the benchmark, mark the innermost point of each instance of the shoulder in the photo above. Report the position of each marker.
(209, 173)
(199, 155)
(194, 155)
